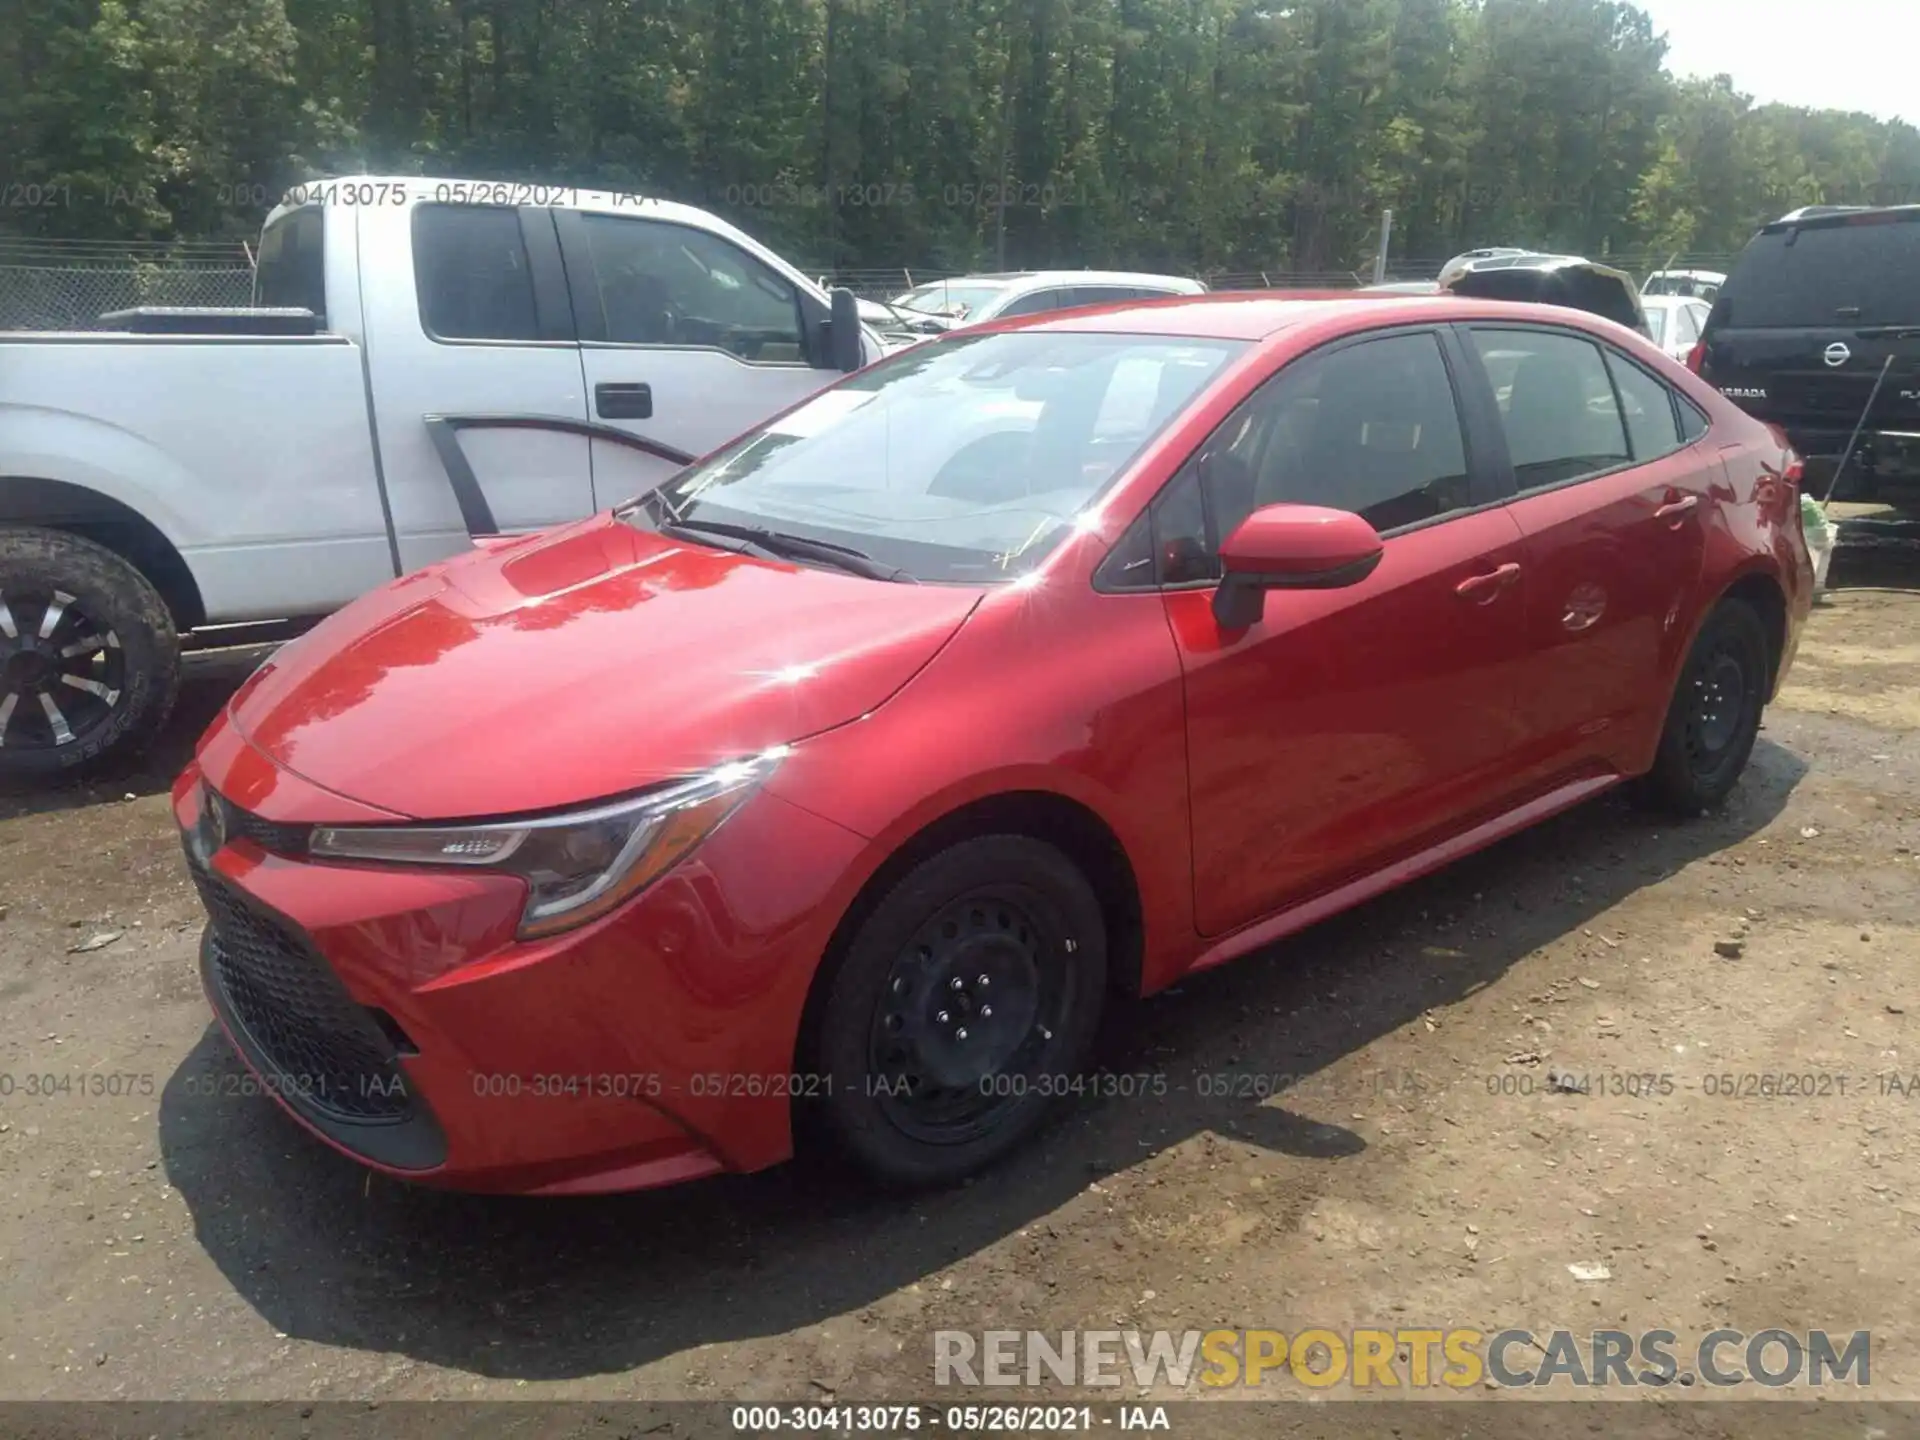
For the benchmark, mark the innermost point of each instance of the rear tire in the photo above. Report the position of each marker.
(960, 1010)
(89, 659)
(1714, 716)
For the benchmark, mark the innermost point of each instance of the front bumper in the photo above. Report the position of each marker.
(393, 1013)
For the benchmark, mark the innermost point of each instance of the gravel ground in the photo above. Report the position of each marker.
(166, 1237)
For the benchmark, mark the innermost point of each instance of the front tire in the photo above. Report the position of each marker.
(963, 1006)
(1714, 716)
(89, 659)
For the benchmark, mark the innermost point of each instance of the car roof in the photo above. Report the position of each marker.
(1039, 279)
(1840, 217)
(1260, 315)
(1671, 302)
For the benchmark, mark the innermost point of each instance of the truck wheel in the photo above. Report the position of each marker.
(89, 660)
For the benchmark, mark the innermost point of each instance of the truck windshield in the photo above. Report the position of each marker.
(291, 270)
(966, 459)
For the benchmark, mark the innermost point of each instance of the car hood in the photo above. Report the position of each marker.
(578, 664)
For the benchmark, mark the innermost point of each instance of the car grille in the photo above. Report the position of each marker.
(269, 835)
(328, 1052)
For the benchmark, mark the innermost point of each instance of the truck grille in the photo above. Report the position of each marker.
(328, 1053)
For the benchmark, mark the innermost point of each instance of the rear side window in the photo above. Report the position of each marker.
(1648, 407)
(470, 263)
(1822, 275)
(1038, 302)
(292, 269)
(1693, 423)
(1557, 405)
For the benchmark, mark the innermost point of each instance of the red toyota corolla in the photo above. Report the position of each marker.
(847, 773)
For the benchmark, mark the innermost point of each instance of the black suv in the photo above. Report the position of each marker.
(1816, 307)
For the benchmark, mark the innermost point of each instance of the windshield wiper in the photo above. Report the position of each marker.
(796, 547)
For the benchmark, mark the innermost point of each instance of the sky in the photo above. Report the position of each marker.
(1827, 54)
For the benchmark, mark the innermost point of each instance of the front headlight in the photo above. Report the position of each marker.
(578, 865)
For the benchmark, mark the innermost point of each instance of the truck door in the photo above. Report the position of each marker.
(686, 340)
(474, 373)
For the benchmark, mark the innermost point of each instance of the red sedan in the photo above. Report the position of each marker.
(845, 775)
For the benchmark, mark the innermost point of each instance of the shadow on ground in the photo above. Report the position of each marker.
(551, 1289)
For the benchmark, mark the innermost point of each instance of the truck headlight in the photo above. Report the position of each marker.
(577, 865)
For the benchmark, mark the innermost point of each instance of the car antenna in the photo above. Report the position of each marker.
(1861, 424)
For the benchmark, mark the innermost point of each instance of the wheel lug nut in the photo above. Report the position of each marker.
(983, 982)
(986, 1012)
(954, 984)
(941, 1017)
(961, 1033)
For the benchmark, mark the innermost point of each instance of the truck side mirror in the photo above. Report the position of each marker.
(845, 348)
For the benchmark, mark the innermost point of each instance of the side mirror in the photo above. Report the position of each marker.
(1291, 547)
(844, 344)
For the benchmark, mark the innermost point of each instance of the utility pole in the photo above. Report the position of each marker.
(1006, 160)
(1386, 238)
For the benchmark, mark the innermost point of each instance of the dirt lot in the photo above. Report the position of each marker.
(171, 1241)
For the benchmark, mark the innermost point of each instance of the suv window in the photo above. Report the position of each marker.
(1557, 406)
(470, 264)
(292, 268)
(661, 284)
(1371, 427)
(1649, 409)
(1807, 276)
(1037, 302)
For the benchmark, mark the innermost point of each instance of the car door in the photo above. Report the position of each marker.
(1347, 725)
(476, 329)
(1613, 499)
(686, 340)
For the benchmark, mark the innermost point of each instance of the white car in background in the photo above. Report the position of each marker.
(976, 299)
(1676, 322)
(1691, 284)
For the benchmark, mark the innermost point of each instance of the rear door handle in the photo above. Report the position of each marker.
(1486, 587)
(1674, 509)
(623, 402)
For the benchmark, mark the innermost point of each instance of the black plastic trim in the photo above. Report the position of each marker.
(414, 1143)
(475, 512)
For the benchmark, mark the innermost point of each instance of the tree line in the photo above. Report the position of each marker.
(1197, 135)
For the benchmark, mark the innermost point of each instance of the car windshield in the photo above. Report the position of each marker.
(940, 298)
(966, 459)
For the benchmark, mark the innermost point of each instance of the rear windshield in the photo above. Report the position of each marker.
(1828, 275)
(1574, 286)
(292, 268)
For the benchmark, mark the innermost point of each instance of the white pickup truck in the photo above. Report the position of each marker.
(429, 362)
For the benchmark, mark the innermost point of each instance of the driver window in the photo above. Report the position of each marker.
(1370, 427)
(660, 284)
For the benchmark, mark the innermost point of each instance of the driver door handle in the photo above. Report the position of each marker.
(1488, 586)
(623, 401)
(1674, 509)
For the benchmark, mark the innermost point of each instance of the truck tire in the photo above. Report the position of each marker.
(89, 659)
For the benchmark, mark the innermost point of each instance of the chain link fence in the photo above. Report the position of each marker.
(70, 285)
